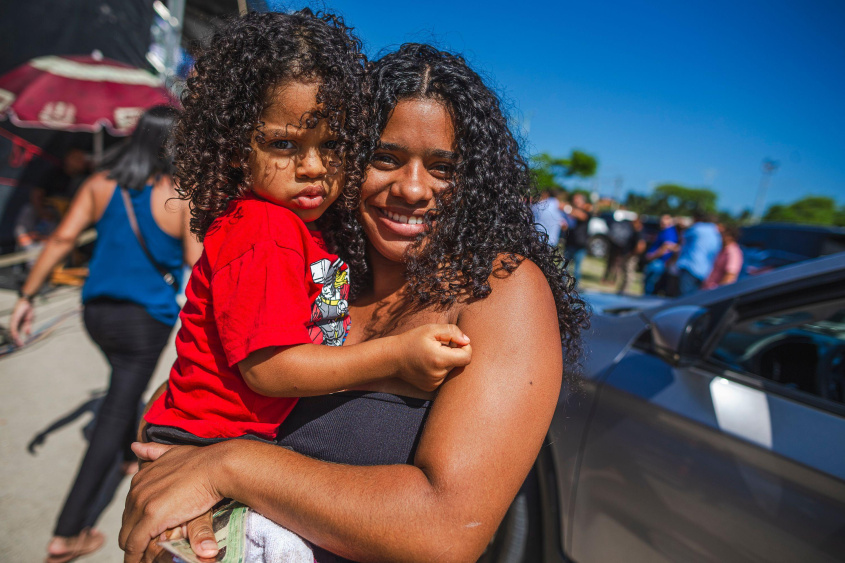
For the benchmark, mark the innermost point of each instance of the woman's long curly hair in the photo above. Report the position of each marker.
(232, 81)
(483, 222)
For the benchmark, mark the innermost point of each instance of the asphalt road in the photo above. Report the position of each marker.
(40, 385)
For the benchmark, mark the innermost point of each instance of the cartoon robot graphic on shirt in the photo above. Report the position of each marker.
(330, 312)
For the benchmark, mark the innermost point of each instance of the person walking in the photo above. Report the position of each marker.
(728, 263)
(630, 257)
(658, 255)
(576, 236)
(620, 235)
(701, 243)
(549, 217)
(129, 302)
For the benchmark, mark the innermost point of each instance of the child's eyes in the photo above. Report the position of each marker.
(281, 144)
(331, 145)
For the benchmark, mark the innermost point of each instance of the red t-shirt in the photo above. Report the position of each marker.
(263, 280)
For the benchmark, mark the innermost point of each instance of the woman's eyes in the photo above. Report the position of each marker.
(384, 159)
(440, 170)
(283, 144)
(443, 169)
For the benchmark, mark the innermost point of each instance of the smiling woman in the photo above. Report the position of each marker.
(413, 162)
(443, 234)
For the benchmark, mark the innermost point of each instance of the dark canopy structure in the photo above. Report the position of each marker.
(119, 29)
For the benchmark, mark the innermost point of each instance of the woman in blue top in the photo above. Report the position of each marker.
(129, 309)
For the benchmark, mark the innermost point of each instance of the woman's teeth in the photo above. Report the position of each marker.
(403, 218)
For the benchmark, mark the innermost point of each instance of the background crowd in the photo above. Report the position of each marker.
(677, 256)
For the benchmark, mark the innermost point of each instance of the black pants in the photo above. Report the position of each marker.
(132, 342)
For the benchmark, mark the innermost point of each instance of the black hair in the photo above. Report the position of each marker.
(145, 153)
(229, 89)
(483, 223)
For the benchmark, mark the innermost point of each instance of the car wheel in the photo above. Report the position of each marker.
(598, 246)
(518, 539)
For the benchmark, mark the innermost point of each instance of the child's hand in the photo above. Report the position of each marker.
(427, 354)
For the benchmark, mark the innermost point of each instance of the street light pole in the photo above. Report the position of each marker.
(769, 167)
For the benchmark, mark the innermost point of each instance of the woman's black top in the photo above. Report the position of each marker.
(355, 428)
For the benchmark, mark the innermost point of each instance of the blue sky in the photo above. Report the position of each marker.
(697, 93)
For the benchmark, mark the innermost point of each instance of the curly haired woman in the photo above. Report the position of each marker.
(442, 233)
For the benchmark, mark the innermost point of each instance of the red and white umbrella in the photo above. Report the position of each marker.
(80, 93)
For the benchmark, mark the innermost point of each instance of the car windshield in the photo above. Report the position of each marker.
(801, 349)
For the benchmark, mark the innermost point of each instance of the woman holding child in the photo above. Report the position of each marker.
(439, 233)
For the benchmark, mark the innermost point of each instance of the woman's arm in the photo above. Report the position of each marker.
(481, 438)
(81, 213)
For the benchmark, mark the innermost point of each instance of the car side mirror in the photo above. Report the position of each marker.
(679, 334)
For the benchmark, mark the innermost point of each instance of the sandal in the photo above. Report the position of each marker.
(88, 541)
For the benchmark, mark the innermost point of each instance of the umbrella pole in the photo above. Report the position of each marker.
(98, 147)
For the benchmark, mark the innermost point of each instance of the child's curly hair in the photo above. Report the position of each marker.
(227, 92)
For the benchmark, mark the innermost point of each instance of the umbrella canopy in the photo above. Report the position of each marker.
(79, 93)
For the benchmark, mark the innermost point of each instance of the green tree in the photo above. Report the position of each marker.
(811, 210)
(673, 199)
(637, 202)
(551, 172)
(680, 200)
(839, 218)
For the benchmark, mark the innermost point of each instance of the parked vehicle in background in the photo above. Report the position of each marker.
(598, 230)
(767, 246)
(709, 428)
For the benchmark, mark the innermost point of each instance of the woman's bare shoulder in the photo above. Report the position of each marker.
(99, 186)
(513, 286)
(99, 181)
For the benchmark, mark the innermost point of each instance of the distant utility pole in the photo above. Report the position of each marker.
(769, 167)
(617, 189)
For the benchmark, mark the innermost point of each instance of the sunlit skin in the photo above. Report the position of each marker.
(481, 437)
(414, 161)
(295, 167)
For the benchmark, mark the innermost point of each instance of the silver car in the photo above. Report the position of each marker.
(707, 428)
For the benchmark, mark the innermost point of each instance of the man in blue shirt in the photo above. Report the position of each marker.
(702, 243)
(548, 216)
(658, 254)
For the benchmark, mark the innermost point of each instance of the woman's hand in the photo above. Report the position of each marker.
(177, 488)
(198, 531)
(20, 324)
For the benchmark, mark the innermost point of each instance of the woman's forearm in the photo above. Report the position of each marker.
(376, 513)
(55, 250)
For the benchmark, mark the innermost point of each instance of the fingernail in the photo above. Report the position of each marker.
(209, 545)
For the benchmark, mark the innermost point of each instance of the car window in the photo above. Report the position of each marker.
(801, 349)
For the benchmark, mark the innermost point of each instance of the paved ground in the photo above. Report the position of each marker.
(43, 384)
(592, 270)
(39, 386)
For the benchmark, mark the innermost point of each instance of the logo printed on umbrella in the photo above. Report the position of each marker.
(6, 99)
(126, 118)
(57, 113)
